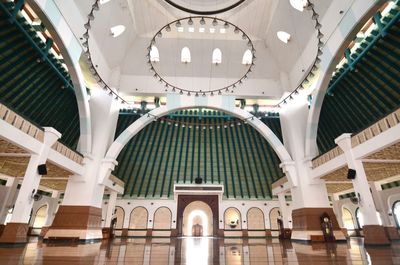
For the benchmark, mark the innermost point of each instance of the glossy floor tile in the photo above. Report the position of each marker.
(199, 251)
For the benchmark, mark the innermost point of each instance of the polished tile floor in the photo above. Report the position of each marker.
(199, 251)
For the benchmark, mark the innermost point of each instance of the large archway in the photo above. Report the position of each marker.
(177, 102)
(197, 219)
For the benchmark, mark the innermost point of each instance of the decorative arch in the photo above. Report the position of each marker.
(40, 216)
(348, 220)
(162, 218)
(232, 219)
(71, 52)
(185, 55)
(255, 219)
(222, 103)
(217, 56)
(360, 11)
(138, 218)
(274, 215)
(120, 214)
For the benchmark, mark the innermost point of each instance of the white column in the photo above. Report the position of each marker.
(284, 210)
(360, 183)
(89, 190)
(110, 208)
(11, 189)
(306, 192)
(31, 181)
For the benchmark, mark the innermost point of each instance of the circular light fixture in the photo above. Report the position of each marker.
(202, 20)
(204, 12)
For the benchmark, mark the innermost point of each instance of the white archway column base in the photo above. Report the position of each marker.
(80, 216)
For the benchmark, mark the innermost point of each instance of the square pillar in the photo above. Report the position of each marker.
(374, 233)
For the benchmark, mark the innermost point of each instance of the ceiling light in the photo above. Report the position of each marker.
(236, 30)
(202, 21)
(215, 22)
(168, 28)
(190, 21)
(117, 30)
(283, 36)
(91, 16)
(226, 25)
(95, 6)
(178, 24)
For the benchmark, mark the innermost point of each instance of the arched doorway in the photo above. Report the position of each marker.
(207, 204)
(197, 219)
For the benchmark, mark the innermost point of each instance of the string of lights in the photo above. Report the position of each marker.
(315, 66)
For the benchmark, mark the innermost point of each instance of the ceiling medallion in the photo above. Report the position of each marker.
(315, 66)
(201, 21)
(204, 12)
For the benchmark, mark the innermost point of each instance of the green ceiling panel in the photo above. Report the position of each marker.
(31, 88)
(363, 96)
(163, 154)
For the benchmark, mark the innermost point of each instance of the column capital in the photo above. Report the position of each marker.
(344, 142)
(289, 168)
(51, 135)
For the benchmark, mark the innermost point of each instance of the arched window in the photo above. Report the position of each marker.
(283, 36)
(154, 54)
(247, 57)
(185, 55)
(217, 56)
(117, 30)
(396, 213)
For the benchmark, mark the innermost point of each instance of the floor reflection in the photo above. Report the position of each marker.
(199, 251)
